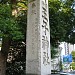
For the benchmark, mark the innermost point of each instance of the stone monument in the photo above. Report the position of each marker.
(38, 60)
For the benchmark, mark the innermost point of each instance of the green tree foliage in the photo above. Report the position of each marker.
(18, 48)
(16, 65)
(73, 55)
(73, 65)
(16, 59)
(13, 29)
(61, 21)
(8, 25)
(73, 60)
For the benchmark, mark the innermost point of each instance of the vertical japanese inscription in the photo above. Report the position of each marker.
(37, 56)
(45, 33)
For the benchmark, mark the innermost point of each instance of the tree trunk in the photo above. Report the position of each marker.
(5, 45)
(3, 55)
(2, 64)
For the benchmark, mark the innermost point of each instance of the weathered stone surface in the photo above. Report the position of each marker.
(38, 38)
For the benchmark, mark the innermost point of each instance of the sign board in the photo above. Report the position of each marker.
(67, 58)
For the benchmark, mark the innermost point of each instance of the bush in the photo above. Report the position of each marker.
(73, 65)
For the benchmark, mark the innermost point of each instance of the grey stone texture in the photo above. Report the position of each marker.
(38, 38)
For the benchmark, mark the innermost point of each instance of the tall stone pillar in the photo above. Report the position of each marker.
(38, 60)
